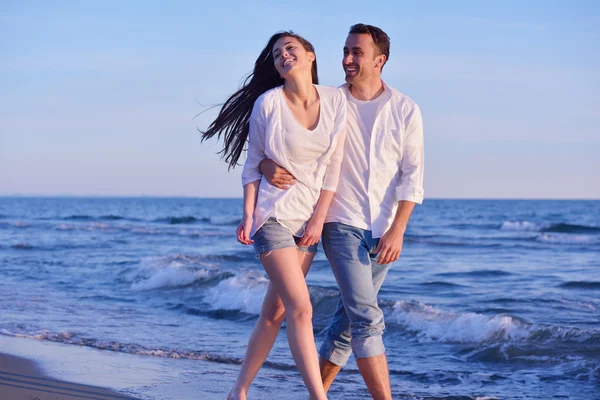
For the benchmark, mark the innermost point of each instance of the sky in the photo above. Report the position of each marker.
(102, 98)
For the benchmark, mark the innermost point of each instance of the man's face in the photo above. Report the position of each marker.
(361, 59)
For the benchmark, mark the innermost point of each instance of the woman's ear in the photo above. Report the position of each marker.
(311, 56)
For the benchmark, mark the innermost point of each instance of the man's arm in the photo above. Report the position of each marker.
(390, 244)
(276, 175)
(409, 191)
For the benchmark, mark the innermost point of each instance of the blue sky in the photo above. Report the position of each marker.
(99, 98)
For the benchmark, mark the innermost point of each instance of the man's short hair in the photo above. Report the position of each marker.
(381, 39)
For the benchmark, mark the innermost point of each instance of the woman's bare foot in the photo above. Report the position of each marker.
(236, 394)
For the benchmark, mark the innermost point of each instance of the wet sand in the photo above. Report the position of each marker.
(22, 379)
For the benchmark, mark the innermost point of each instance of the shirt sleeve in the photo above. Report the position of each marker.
(332, 173)
(256, 147)
(412, 165)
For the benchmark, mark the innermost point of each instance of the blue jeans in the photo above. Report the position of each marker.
(357, 325)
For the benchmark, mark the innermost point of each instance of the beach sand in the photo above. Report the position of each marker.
(45, 370)
(22, 379)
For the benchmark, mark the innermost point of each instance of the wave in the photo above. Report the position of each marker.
(171, 272)
(560, 227)
(568, 239)
(110, 217)
(443, 284)
(520, 226)
(180, 220)
(218, 220)
(571, 228)
(483, 273)
(22, 246)
(224, 220)
(244, 292)
(15, 224)
(62, 246)
(143, 230)
(581, 285)
(133, 348)
(427, 323)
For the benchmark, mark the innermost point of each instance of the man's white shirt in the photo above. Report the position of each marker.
(382, 165)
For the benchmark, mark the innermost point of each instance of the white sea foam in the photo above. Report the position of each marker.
(95, 226)
(244, 292)
(520, 226)
(170, 277)
(567, 239)
(168, 272)
(433, 324)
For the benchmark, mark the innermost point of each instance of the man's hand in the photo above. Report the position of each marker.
(276, 175)
(390, 246)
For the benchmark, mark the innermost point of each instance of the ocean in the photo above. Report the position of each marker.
(491, 299)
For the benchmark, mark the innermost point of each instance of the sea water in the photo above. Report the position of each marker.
(490, 298)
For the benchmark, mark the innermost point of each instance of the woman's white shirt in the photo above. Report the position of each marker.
(313, 157)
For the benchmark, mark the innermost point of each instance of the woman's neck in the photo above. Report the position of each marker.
(300, 90)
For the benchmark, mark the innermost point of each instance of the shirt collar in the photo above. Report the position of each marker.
(387, 90)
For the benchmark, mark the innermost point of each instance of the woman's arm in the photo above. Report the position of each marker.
(245, 226)
(251, 176)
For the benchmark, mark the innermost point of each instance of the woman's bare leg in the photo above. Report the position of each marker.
(285, 272)
(263, 335)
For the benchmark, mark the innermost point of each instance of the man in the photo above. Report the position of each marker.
(381, 180)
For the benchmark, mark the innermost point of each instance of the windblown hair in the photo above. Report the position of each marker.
(233, 121)
(381, 39)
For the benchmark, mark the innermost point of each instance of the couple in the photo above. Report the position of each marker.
(344, 162)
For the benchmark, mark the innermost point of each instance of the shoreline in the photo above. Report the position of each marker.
(21, 378)
(32, 369)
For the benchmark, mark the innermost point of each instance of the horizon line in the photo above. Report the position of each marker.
(113, 196)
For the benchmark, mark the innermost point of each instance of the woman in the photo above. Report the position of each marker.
(300, 126)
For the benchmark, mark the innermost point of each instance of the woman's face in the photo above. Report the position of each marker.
(290, 56)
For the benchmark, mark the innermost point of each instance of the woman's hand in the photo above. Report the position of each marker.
(313, 231)
(243, 230)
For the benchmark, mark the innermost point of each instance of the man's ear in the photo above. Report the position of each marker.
(380, 60)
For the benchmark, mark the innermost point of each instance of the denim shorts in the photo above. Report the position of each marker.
(273, 236)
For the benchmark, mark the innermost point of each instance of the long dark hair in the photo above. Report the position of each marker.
(233, 121)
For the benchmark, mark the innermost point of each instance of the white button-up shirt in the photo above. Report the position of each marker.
(381, 167)
(272, 135)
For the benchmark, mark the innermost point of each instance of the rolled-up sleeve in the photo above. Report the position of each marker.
(256, 147)
(412, 164)
(332, 173)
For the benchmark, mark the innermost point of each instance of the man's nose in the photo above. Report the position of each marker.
(347, 59)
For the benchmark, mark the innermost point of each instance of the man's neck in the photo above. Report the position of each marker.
(367, 90)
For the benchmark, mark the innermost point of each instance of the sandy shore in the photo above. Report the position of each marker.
(41, 370)
(21, 379)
